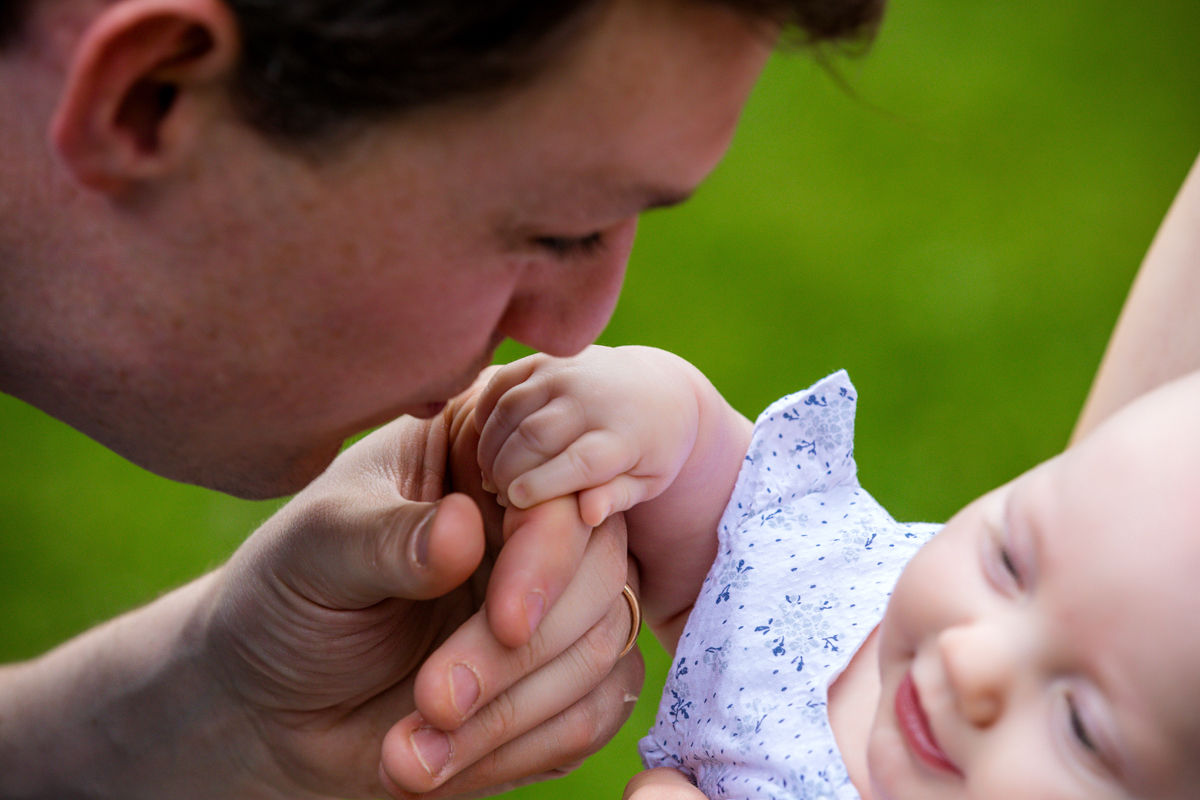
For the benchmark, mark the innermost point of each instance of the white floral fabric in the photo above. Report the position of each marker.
(806, 563)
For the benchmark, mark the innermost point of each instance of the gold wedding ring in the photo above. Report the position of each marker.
(635, 622)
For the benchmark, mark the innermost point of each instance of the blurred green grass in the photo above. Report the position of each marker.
(958, 230)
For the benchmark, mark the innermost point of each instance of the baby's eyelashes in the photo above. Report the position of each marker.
(1009, 565)
(1079, 730)
(1000, 564)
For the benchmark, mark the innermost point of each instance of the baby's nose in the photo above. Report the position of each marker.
(979, 669)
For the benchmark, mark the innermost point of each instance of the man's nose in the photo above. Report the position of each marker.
(560, 308)
(979, 667)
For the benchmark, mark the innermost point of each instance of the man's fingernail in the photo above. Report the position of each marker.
(432, 748)
(464, 684)
(535, 607)
(420, 545)
(487, 485)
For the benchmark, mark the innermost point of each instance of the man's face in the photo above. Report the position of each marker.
(1044, 645)
(274, 305)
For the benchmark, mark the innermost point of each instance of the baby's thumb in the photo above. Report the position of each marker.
(620, 494)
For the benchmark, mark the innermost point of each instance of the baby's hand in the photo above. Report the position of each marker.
(663, 783)
(613, 424)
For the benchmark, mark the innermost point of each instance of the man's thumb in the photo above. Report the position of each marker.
(415, 551)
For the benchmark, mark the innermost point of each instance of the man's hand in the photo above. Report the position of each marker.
(325, 616)
(295, 670)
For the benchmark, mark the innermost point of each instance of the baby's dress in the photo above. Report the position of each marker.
(806, 562)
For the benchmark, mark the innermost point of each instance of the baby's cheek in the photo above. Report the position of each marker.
(1020, 759)
(900, 629)
(889, 766)
(928, 596)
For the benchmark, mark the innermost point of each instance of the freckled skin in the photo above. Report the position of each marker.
(258, 307)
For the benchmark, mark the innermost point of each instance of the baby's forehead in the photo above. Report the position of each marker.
(1132, 484)
(1118, 523)
(1157, 436)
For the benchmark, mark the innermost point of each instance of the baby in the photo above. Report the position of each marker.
(1038, 646)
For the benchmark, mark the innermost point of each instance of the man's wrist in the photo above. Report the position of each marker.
(127, 710)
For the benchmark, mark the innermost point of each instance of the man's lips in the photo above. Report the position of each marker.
(433, 408)
(425, 410)
(914, 726)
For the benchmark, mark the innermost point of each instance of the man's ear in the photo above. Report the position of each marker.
(144, 76)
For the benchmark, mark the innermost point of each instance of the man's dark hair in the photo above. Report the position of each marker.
(310, 65)
(12, 14)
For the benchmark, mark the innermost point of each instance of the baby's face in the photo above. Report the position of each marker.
(1046, 644)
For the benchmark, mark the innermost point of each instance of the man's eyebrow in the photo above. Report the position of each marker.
(638, 197)
(664, 198)
(608, 200)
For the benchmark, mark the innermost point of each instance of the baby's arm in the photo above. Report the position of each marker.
(663, 783)
(1157, 338)
(630, 429)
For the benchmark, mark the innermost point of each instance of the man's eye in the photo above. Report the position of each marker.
(1078, 729)
(572, 246)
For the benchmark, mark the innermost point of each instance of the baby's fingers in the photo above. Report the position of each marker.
(594, 459)
(510, 397)
(540, 437)
(504, 379)
(620, 494)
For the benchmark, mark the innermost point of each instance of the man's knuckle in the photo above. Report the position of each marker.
(585, 732)
(498, 721)
(597, 651)
(611, 562)
(486, 768)
(394, 528)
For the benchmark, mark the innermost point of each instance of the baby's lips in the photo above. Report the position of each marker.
(914, 725)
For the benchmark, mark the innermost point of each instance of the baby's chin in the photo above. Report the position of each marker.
(885, 781)
(893, 775)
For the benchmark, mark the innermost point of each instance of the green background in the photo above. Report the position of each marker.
(957, 226)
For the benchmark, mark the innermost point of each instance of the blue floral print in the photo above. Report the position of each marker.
(806, 562)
